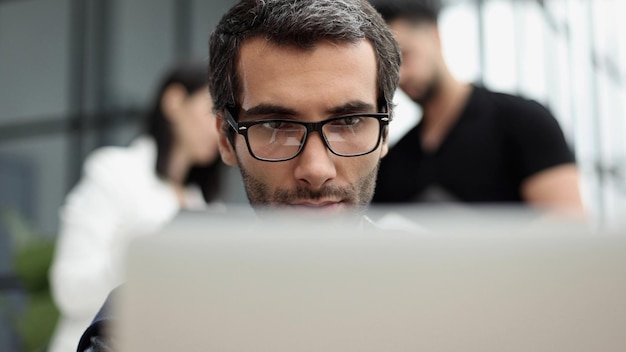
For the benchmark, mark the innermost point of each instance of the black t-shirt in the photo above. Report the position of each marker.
(497, 142)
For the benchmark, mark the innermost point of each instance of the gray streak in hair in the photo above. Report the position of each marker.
(302, 24)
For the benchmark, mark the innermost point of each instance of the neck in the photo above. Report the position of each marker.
(448, 101)
(442, 111)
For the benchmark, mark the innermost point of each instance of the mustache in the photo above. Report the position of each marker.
(300, 193)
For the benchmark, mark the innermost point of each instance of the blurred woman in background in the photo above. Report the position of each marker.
(127, 192)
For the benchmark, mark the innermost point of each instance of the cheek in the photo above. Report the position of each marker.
(256, 168)
(201, 139)
(201, 134)
(204, 128)
(368, 170)
(271, 175)
(352, 170)
(413, 68)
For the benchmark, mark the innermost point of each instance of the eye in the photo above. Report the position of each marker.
(348, 121)
(279, 125)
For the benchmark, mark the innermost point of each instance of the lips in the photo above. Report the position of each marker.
(318, 206)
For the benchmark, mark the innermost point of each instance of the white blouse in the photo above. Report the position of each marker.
(119, 198)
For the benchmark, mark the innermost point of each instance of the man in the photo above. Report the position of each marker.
(472, 145)
(302, 90)
(306, 62)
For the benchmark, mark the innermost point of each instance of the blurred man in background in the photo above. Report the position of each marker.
(471, 145)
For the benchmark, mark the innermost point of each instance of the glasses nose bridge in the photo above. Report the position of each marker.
(315, 127)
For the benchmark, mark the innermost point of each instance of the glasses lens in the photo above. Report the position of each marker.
(276, 140)
(352, 135)
(281, 140)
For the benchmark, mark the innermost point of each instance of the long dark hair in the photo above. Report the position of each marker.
(193, 77)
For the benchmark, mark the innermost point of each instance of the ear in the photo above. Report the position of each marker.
(385, 147)
(172, 101)
(227, 150)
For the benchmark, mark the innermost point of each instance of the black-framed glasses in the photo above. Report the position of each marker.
(282, 139)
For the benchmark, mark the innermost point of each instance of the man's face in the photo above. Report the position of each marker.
(420, 72)
(281, 82)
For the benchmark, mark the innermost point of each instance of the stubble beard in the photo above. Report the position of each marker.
(358, 196)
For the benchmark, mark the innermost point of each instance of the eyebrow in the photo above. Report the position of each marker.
(353, 106)
(268, 109)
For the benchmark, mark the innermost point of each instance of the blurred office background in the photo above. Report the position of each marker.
(78, 74)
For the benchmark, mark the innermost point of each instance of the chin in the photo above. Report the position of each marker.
(313, 209)
(337, 213)
(334, 208)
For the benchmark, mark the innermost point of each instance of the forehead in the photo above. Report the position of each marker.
(328, 75)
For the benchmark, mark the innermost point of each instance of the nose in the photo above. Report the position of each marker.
(315, 166)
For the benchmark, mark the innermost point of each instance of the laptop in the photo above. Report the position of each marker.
(233, 283)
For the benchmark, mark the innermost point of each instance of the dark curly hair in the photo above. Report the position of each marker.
(192, 76)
